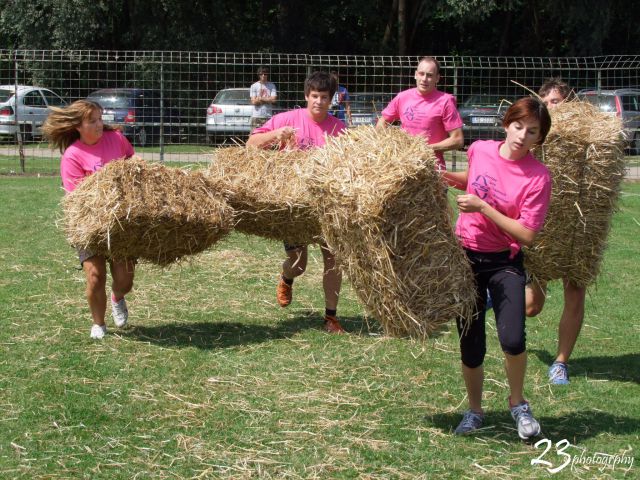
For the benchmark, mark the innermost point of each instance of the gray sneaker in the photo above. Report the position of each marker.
(559, 373)
(527, 425)
(471, 421)
(119, 312)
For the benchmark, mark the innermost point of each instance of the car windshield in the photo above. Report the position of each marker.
(110, 100)
(232, 97)
(486, 101)
(5, 95)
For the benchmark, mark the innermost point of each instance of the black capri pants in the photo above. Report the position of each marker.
(504, 277)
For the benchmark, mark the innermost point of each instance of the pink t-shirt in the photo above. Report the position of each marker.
(519, 189)
(431, 116)
(80, 160)
(309, 133)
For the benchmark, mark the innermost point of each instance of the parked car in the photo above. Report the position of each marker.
(138, 111)
(32, 109)
(482, 116)
(366, 107)
(625, 104)
(229, 113)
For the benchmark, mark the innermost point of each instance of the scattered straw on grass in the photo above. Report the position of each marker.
(385, 214)
(267, 191)
(584, 152)
(132, 209)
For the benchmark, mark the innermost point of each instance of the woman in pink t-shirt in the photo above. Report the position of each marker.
(86, 146)
(506, 200)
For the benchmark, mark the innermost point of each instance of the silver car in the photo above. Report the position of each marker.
(32, 109)
(625, 104)
(229, 113)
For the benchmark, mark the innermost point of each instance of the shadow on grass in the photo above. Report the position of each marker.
(575, 427)
(215, 335)
(623, 368)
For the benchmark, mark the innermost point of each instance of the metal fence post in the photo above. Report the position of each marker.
(161, 109)
(17, 106)
(455, 94)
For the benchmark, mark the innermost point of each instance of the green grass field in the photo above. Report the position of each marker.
(213, 380)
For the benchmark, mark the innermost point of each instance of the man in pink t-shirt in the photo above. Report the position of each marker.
(303, 129)
(426, 111)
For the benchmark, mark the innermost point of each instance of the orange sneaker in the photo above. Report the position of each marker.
(284, 292)
(332, 325)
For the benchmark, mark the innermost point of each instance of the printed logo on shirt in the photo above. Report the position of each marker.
(486, 188)
(409, 114)
(306, 142)
(97, 166)
(481, 187)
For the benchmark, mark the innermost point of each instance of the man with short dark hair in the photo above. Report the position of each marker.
(553, 92)
(263, 95)
(427, 112)
(306, 128)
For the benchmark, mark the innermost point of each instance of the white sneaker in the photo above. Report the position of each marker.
(98, 331)
(119, 312)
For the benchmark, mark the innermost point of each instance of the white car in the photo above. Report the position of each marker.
(229, 113)
(32, 109)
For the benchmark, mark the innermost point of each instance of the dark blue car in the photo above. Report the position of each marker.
(141, 114)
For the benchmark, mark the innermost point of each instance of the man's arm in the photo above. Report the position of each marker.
(454, 141)
(382, 123)
(280, 135)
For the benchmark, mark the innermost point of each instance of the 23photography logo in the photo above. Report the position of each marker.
(558, 460)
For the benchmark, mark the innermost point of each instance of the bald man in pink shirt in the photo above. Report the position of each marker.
(427, 112)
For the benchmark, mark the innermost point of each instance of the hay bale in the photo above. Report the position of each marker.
(267, 191)
(385, 214)
(584, 152)
(132, 209)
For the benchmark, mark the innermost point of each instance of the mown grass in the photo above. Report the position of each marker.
(214, 380)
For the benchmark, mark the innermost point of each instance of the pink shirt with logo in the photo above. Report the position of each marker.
(431, 116)
(80, 160)
(309, 133)
(519, 189)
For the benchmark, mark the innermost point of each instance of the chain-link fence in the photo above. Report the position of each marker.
(175, 105)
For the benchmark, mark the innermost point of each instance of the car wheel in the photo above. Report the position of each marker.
(141, 137)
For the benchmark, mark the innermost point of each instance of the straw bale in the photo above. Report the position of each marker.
(584, 152)
(134, 209)
(267, 191)
(385, 215)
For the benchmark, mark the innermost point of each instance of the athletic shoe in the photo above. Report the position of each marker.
(471, 421)
(527, 425)
(120, 312)
(284, 293)
(559, 373)
(98, 331)
(332, 325)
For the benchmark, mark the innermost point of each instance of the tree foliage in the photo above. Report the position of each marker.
(413, 27)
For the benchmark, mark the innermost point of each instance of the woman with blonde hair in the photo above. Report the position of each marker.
(87, 145)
